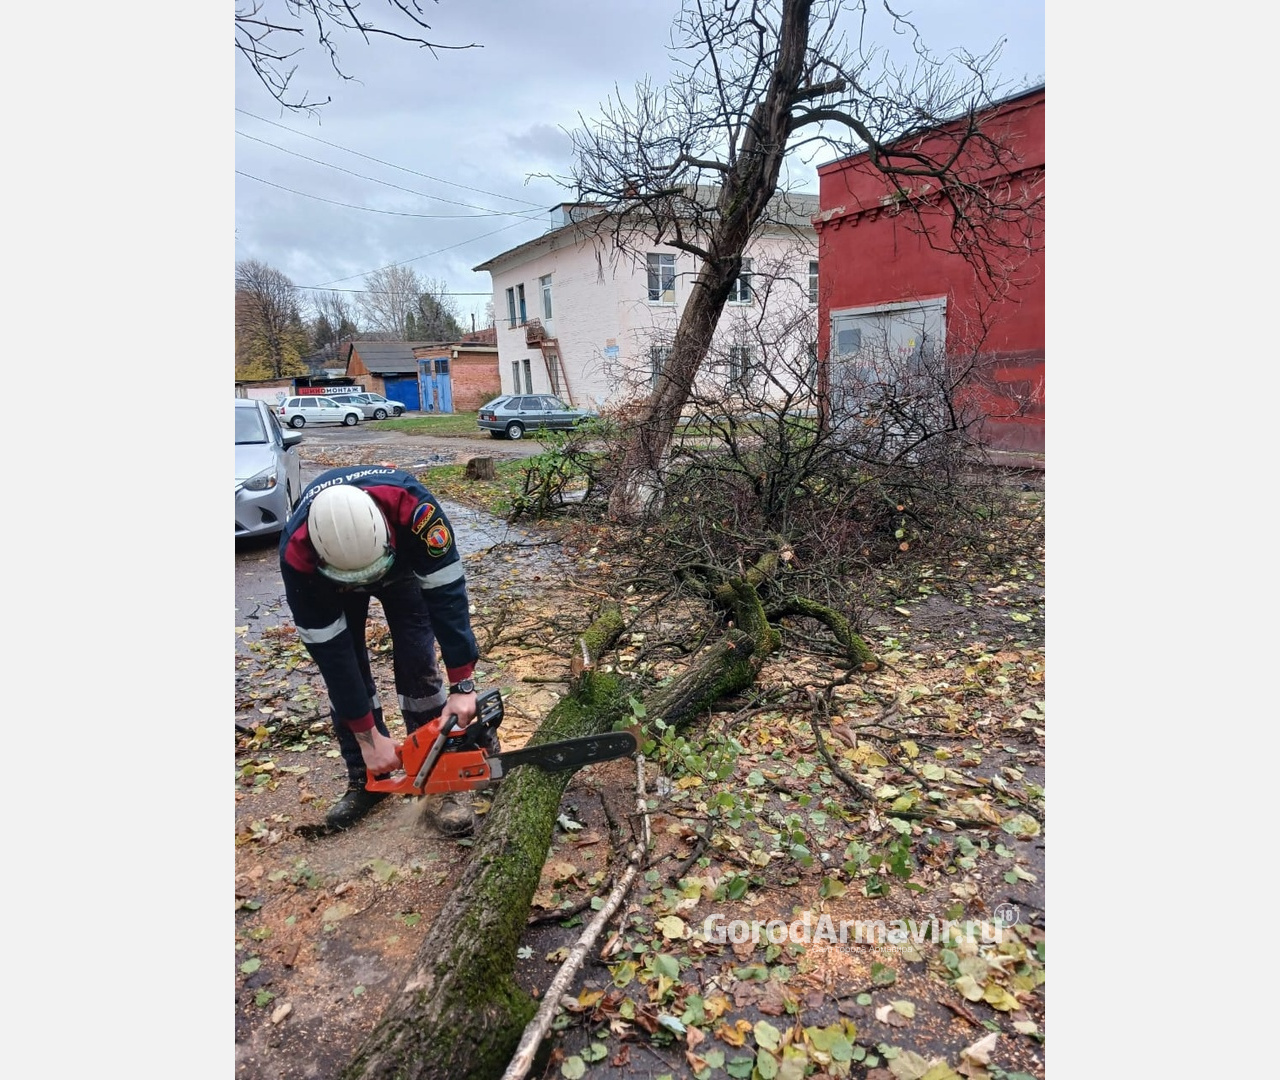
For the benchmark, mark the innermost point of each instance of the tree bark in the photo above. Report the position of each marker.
(748, 186)
(460, 1013)
(480, 468)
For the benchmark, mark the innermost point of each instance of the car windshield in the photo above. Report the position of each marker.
(249, 427)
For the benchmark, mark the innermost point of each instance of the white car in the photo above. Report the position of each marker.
(315, 409)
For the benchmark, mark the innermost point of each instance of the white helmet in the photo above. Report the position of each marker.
(350, 535)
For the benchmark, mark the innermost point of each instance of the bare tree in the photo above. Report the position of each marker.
(271, 33)
(696, 164)
(389, 300)
(437, 316)
(270, 336)
(336, 320)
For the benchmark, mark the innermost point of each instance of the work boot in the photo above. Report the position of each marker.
(357, 802)
(450, 813)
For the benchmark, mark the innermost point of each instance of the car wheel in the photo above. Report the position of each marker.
(515, 430)
(496, 435)
(298, 421)
(350, 420)
(379, 414)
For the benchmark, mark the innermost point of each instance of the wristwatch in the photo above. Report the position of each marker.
(463, 686)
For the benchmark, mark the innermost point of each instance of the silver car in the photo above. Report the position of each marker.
(316, 409)
(511, 415)
(373, 406)
(268, 470)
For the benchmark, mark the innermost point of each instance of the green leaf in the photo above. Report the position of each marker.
(251, 965)
(263, 997)
(595, 1052)
(664, 964)
(883, 975)
(573, 1068)
(740, 1068)
(383, 871)
(832, 889)
(766, 1065)
(766, 1035)
(1021, 825)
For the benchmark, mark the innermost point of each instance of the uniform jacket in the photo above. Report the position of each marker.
(424, 550)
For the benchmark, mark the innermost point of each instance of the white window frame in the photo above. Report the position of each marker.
(545, 283)
(511, 308)
(661, 291)
(813, 281)
(741, 291)
(524, 311)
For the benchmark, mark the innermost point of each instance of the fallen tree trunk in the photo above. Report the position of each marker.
(460, 1013)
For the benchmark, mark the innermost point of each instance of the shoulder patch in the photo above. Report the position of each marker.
(438, 539)
(421, 517)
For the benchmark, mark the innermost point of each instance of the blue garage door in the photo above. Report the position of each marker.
(405, 391)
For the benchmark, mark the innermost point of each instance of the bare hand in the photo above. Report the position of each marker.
(378, 751)
(463, 706)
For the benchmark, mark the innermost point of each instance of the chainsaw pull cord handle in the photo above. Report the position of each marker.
(434, 754)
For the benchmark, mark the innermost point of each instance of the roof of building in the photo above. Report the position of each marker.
(395, 357)
(793, 209)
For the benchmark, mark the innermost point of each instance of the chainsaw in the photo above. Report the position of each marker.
(440, 757)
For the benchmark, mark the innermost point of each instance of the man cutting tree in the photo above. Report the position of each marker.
(374, 531)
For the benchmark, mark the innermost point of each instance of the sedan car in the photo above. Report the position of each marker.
(511, 415)
(316, 409)
(373, 406)
(394, 408)
(268, 470)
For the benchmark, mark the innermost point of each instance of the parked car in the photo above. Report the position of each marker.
(395, 408)
(268, 470)
(316, 409)
(511, 415)
(373, 406)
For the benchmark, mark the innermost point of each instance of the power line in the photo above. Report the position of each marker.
(406, 262)
(371, 209)
(388, 164)
(374, 180)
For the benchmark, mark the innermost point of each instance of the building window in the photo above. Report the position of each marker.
(658, 357)
(524, 315)
(515, 376)
(741, 291)
(813, 281)
(511, 308)
(545, 282)
(739, 365)
(662, 278)
(528, 376)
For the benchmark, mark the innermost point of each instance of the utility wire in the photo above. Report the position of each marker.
(388, 164)
(374, 210)
(374, 180)
(462, 243)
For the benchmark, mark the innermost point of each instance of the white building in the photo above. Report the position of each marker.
(577, 318)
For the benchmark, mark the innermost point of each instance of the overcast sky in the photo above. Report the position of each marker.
(432, 162)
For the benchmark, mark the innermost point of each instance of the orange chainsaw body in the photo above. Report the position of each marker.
(458, 770)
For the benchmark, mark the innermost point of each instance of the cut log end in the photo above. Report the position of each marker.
(480, 468)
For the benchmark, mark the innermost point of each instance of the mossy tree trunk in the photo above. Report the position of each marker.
(460, 1013)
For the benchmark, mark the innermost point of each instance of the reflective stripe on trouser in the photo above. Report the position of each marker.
(419, 680)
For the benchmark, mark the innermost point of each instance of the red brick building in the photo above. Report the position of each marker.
(881, 279)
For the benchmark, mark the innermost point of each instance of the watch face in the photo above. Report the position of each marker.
(464, 686)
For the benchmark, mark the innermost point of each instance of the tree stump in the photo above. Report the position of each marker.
(480, 468)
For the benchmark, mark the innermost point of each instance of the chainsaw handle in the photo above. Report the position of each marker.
(434, 755)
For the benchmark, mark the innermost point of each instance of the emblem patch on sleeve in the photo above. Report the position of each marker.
(421, 517)
(438, 539)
